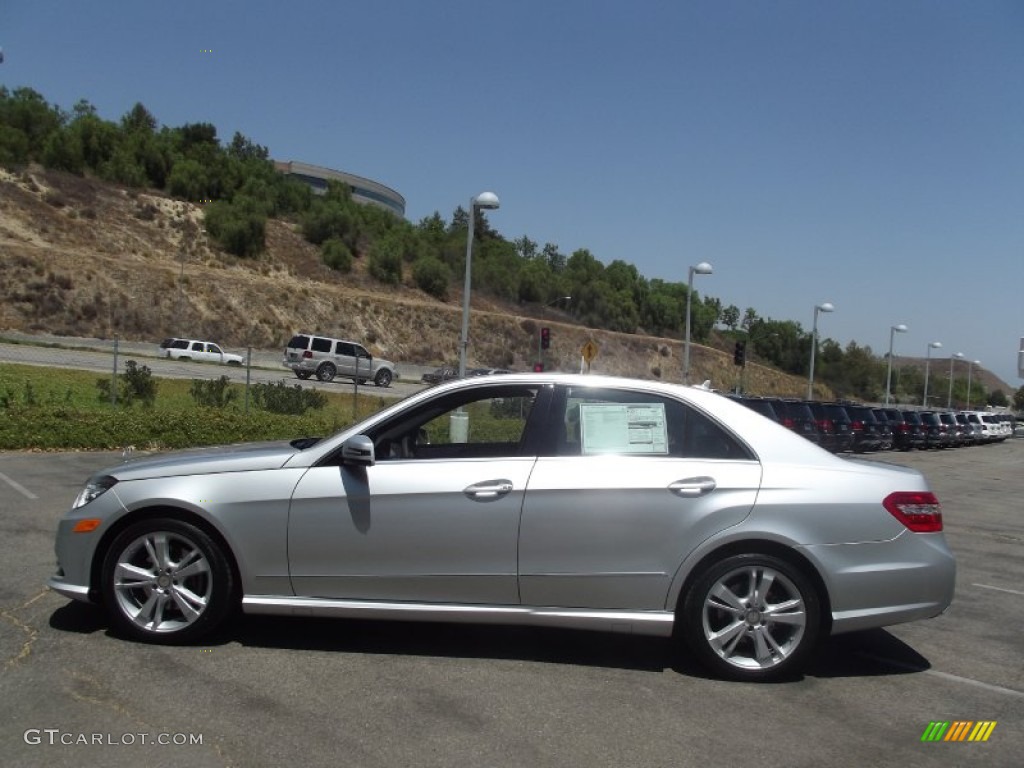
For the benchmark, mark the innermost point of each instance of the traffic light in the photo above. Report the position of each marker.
(739, 355)
(545, 338)
(538, 367)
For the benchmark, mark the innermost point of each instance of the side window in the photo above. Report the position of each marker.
(179, 344)
(321, 344)
(601, 421)
(485, 423)
(360, 351)
(197, 346)
(345, 348)
(213, 348)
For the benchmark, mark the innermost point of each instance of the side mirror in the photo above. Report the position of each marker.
(358, 450)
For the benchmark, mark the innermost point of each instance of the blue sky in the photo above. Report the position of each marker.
(870, 154)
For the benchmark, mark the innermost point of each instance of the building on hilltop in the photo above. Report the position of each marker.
(364, 190)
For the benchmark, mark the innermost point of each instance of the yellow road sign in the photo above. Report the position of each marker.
(589, 351)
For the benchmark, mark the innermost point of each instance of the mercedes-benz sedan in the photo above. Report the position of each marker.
(572, 501)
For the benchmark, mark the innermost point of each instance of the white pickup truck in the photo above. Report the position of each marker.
(203, 351)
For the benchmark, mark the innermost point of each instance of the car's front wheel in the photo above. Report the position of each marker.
(383, 378)
(751, 617)
(166, 581)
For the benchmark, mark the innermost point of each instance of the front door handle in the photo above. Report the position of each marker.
(488, 490)
(693, 487)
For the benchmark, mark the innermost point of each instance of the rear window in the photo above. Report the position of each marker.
(299, 342)
(167, 343)
(179, 344)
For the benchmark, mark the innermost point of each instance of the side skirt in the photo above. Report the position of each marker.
(654, 623)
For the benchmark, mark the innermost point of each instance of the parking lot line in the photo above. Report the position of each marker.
(18, 487)
(999, 589)
(943, 675)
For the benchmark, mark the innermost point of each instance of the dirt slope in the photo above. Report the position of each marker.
(83, 258)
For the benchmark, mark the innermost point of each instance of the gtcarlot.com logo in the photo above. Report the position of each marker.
(958, 730)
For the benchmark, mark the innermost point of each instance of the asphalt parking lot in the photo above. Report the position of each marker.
(275, 692)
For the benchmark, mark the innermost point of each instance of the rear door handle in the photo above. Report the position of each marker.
(488, 490)
(693, 487)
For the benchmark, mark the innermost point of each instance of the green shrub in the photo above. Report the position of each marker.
(281, 398)
(213, 393)
(336, 255)
(135, 384)
(432, 276)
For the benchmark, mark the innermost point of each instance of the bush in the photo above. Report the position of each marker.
(385, 262)
(135, 384)
(281, 398)
(336, 255)
(432, 276)
(213, 393)
(240, 229)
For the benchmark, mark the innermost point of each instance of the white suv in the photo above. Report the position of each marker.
(191, 349)
(327, 358)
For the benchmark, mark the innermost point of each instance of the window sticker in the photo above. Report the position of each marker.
(623, 428)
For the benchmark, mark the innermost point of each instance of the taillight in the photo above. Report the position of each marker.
(307, 353)
(788, 423)
(920, 511)
(903, 427)
(856, 426)
(825, 425)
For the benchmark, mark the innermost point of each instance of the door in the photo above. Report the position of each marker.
(633, 483)
(434, 519)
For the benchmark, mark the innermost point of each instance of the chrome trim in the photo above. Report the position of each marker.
(74, 591)
(655, 623)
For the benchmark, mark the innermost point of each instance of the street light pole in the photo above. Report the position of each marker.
(949, 400)
(927, 361)
(970, 366)
(485, 200)
(701, 269)
(901, 328)
(826, 307)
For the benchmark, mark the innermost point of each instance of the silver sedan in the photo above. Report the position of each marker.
(573, 501)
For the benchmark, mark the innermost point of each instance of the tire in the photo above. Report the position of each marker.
(383, 378)
(302, 374)
(165, 581)
(752, 618)
(326, 372)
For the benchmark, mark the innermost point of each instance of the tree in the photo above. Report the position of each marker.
(731, 317)
(432, 276)
(1018, 399)
(385, 261)
(238, 226)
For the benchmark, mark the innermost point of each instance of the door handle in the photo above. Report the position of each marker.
(488, 490)
(693, 487)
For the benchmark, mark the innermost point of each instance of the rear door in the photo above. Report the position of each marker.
(627, 484)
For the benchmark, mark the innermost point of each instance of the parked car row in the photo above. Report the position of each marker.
(840, 427)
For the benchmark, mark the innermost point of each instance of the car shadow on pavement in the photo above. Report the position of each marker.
(860, 654)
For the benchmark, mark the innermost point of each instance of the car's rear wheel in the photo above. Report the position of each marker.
(166, 581)
(326, 372)
(383, 378)
(751, 617)
(302, 374)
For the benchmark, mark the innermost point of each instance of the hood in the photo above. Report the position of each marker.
(241, 457)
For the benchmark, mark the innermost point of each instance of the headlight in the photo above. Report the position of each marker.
(97, 486)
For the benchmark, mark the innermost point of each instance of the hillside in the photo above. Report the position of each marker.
(85, 258)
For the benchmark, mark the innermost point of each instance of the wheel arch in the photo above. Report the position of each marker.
(154, 513)
(760, 547)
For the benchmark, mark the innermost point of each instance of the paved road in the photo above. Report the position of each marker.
(277, 692)
(98, 355)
